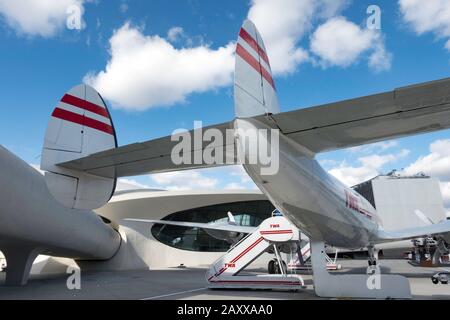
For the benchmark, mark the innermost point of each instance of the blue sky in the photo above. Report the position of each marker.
(322, 54)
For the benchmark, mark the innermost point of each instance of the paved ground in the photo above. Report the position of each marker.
(190, 284)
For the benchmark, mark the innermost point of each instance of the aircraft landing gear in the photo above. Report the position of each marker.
(274, 267)
(271, 267)
(373, 257)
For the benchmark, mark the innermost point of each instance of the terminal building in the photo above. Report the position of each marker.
(164, 246)
(156, 246)
(398, 200)
(407, 201)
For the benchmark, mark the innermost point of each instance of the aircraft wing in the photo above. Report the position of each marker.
(441, 229)
(229, 227)
(404, 111)
(154, 156)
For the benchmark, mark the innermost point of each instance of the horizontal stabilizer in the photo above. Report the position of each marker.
(155, 156)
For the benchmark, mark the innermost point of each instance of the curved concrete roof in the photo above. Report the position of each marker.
(151, 204)
(156, 193)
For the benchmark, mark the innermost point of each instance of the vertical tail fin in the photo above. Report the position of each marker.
(79, 126)
(254, 88)
(231, 219)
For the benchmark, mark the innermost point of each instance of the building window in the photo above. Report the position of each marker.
(246, 213)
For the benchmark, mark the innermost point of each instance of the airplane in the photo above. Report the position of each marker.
(318, 204)
(82, 161)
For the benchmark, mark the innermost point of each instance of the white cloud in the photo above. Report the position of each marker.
(380, 59)
(184, 180)
(328, 162)
(370, 166)
(147, 71)
(330, 8)
(339, 42)
(436, 163)
(174, 33)
(37, 17)
(430, 16)
(227, 177)
(235, 186)
(282, 25)
(239, 171)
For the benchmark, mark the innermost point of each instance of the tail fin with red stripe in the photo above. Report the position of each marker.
(254, 88)
(80, 125)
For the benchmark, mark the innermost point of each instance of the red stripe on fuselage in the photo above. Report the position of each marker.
(84, 104)
(247, 57)
(352, 202)
(82, 120)
(254, 44)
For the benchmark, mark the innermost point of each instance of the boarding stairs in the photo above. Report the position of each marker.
(224, 272)
(302, 261)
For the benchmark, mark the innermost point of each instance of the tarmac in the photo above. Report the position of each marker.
(189, 283)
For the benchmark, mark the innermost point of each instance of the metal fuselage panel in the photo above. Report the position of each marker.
(317, 203)
(30, 217)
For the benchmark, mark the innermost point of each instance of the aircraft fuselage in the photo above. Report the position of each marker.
(316, 202)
